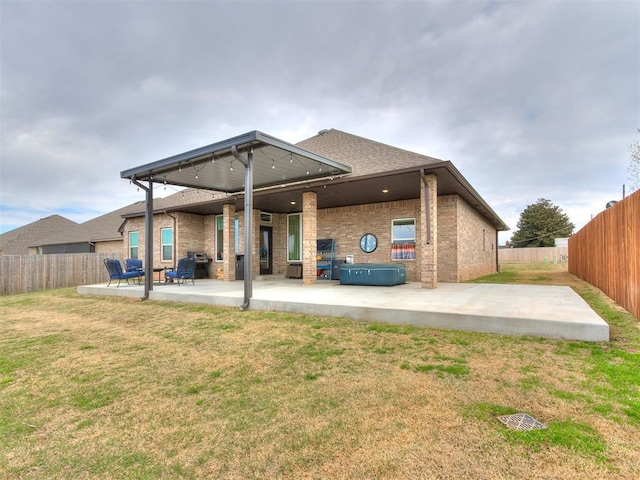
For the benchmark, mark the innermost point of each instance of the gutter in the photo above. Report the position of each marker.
(174, 236)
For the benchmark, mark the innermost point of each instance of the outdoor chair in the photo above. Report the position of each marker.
(185, 270)
(132, 265)
(115, 272)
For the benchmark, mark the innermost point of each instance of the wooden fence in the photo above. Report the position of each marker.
(533, 255)
(30, 273)
(606, 253)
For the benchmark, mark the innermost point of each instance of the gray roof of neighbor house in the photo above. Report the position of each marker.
(100, 229)
(18, 241)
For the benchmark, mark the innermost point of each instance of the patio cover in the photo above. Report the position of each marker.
(242, 163)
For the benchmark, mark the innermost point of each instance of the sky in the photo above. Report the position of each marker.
(528, 99)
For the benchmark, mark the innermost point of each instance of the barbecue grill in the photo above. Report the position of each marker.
(202, 264)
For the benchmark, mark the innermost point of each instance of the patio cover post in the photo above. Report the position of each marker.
(248, 223)
(148, 236)
(148, 239)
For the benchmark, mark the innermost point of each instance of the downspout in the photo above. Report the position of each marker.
(497, 256)
(427, 206)
(148, 237)
(174, 237)
(248, 223)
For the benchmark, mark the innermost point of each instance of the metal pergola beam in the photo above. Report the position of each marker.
(220, 177)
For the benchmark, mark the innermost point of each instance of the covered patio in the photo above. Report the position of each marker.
(238, 165)
(545, 311)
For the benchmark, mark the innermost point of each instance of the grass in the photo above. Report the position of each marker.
(113, 388)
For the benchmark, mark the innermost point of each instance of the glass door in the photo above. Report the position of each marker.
(266, 261)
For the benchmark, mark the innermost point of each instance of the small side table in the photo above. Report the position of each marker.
(159, 270)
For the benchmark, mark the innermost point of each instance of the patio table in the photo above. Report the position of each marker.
(160, 269)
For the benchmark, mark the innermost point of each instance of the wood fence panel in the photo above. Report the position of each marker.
(606, 253)
(30, 273)
(533, 255)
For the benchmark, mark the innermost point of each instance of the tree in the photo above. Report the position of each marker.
(539, 224)
(634, 166)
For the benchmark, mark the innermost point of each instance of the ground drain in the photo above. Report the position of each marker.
(521, 421)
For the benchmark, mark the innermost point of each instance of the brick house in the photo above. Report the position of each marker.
(421, 211)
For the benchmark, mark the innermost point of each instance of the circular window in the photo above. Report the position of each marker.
(368, 242)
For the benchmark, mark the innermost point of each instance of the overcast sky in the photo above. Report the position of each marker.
(528, 99)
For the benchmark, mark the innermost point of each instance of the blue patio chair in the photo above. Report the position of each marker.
(185, 270)
(115, 272)
(132, 265)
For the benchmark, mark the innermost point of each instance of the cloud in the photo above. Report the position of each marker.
(528, 99)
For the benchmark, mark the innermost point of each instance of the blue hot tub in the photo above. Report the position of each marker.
(378, 274)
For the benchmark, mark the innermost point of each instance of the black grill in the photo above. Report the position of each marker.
(202, 264)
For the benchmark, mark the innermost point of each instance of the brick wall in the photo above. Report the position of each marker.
(476, 244)
(113, 246)
(448, 238)
(466, 242)
(347, 225)
(189, 235)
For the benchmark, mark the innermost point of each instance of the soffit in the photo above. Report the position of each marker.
(214, 167)
(343, 191)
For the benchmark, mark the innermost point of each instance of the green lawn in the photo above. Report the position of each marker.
(97, 387)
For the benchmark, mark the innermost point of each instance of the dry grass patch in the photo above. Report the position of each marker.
(94, 387)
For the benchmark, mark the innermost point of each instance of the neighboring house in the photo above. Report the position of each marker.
(18, 241)
(102, 234)
(421, 211)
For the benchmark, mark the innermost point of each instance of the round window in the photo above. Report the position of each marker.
(368, 242)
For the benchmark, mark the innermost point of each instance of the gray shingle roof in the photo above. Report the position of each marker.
(364, 156)
(17, 241)
(103, 228)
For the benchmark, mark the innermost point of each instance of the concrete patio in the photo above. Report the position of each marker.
(545, 311)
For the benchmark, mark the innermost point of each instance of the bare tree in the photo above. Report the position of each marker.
(634, 166)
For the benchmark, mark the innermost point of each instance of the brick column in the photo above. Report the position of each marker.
(228, 246)
(428, 234)
(309, 237)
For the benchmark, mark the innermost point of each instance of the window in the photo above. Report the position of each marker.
(403, 239)
(266, 218)
(294, 237)
(236, 233)
(219, 237)
(133, 245)
(166, 242)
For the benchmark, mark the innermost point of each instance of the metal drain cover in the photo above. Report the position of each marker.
(521, 421)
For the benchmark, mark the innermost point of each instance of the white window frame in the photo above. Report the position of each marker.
(289, 259)
(393, 239)
(137, 246)
(266, 217)
(219, 236)
(163, 245)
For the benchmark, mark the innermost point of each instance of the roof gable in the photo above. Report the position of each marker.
(103, 228)
(18, 241)
(364, 156)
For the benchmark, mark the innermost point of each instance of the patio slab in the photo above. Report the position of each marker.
(545, 311)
